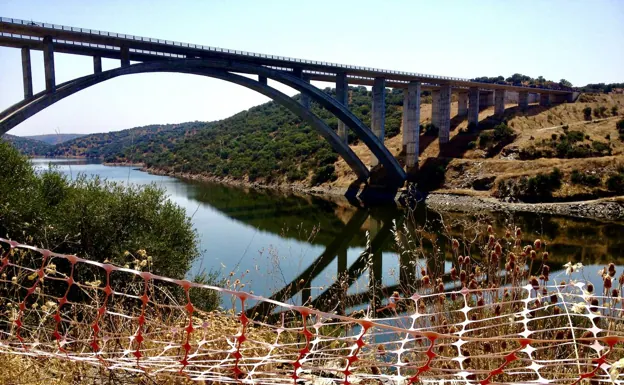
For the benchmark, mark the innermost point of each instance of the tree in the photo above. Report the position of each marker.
(565, 83)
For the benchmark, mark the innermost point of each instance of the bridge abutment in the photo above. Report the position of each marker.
(378, 118)
(27, 73)
(473, 106)
(342, 95)
(499, 102)
(567, 98)
(97, 65)
(544, 100)
(411, 127)
(523, 99)
(48, 63)
(462, 104)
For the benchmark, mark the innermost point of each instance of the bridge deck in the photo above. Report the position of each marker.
(79, 41)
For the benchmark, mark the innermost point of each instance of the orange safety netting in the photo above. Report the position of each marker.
(63, 306)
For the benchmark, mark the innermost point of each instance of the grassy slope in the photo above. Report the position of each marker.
(465, 165)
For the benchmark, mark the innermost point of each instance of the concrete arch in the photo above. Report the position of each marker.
(25, 109)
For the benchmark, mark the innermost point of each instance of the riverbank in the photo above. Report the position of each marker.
(609, 209)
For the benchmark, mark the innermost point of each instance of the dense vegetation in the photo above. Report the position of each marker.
(54, 138)
(570, 144)
(27, 146)
(527, 81)
(93, 218)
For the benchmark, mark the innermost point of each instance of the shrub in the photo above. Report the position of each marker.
(615, 182)
(430, 129)
(472, 145)
(324, 174)
(614, 110)
(601, 148)
(578, 177)
(575, 136)
(553, 136)
(587, 111)
(542, 185)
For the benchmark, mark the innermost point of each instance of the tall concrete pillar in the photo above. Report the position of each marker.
(48, 62)
(544, 100)
(523, 99)
(462, 99)
(473, 106)
(342, 95)
(412, 124)
(305, 99)
(378, 118)
(125, 56)
(445, 114)
(262, 79)
(97, 65)
(499, 102)
(27, 73)
(435, 108)
(404, 120)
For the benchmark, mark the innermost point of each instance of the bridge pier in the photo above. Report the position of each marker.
(27, 73)
(304, 99)
(48, 62)
(125, 56)
(378, 117)
(523, 99)
(342, 95)
(462, 107)
(411, 125)
(473, 106)
(435, 108)
(444, 114)
(97, 65)
(499, 102)
(544, 100)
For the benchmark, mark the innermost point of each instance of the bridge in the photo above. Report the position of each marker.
(156, 55)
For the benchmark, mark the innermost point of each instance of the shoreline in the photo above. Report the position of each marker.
(605, 209)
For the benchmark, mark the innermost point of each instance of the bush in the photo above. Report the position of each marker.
(614, 110)
(578, 177)
(615, 182)
(93, 218)
(472, 145)
(324, 174)
(587, 111)
(542, 185)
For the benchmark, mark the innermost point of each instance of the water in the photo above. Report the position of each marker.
(268, 239)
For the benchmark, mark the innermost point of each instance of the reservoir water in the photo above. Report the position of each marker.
(269, 240)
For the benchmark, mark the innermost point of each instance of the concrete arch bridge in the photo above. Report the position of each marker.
(155, 55)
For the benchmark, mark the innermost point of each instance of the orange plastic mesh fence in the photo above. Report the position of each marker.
(63, 306)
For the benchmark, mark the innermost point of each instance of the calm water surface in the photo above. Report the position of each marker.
(268, 239)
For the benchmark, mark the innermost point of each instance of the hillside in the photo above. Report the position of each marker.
(54, 138)
(27, 146)
(130, 145)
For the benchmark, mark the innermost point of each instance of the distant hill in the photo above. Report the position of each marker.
(54, 138)
(130, 145)
(27, 146)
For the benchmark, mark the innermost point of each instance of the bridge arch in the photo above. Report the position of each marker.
(21, 111)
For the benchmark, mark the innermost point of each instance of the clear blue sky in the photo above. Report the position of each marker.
(580, 41)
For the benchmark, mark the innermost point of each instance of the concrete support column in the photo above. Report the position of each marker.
(48, 62)
(411, 127)
(404, 120)
(544, 100)
(523, 99)
(262, 79)
(378, 118)
(435, 108)
(499, 102)
(473, 106)
(462, 99)
(445, 114)
(27, 73)
(342, 95)
(125, 56)
(305, 99)
(97, 65)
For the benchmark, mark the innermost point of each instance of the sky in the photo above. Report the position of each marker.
(580, 41)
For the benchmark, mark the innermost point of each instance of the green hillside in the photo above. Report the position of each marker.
(54, 138)
(27, 146)
(127, 145)
(269, 143)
